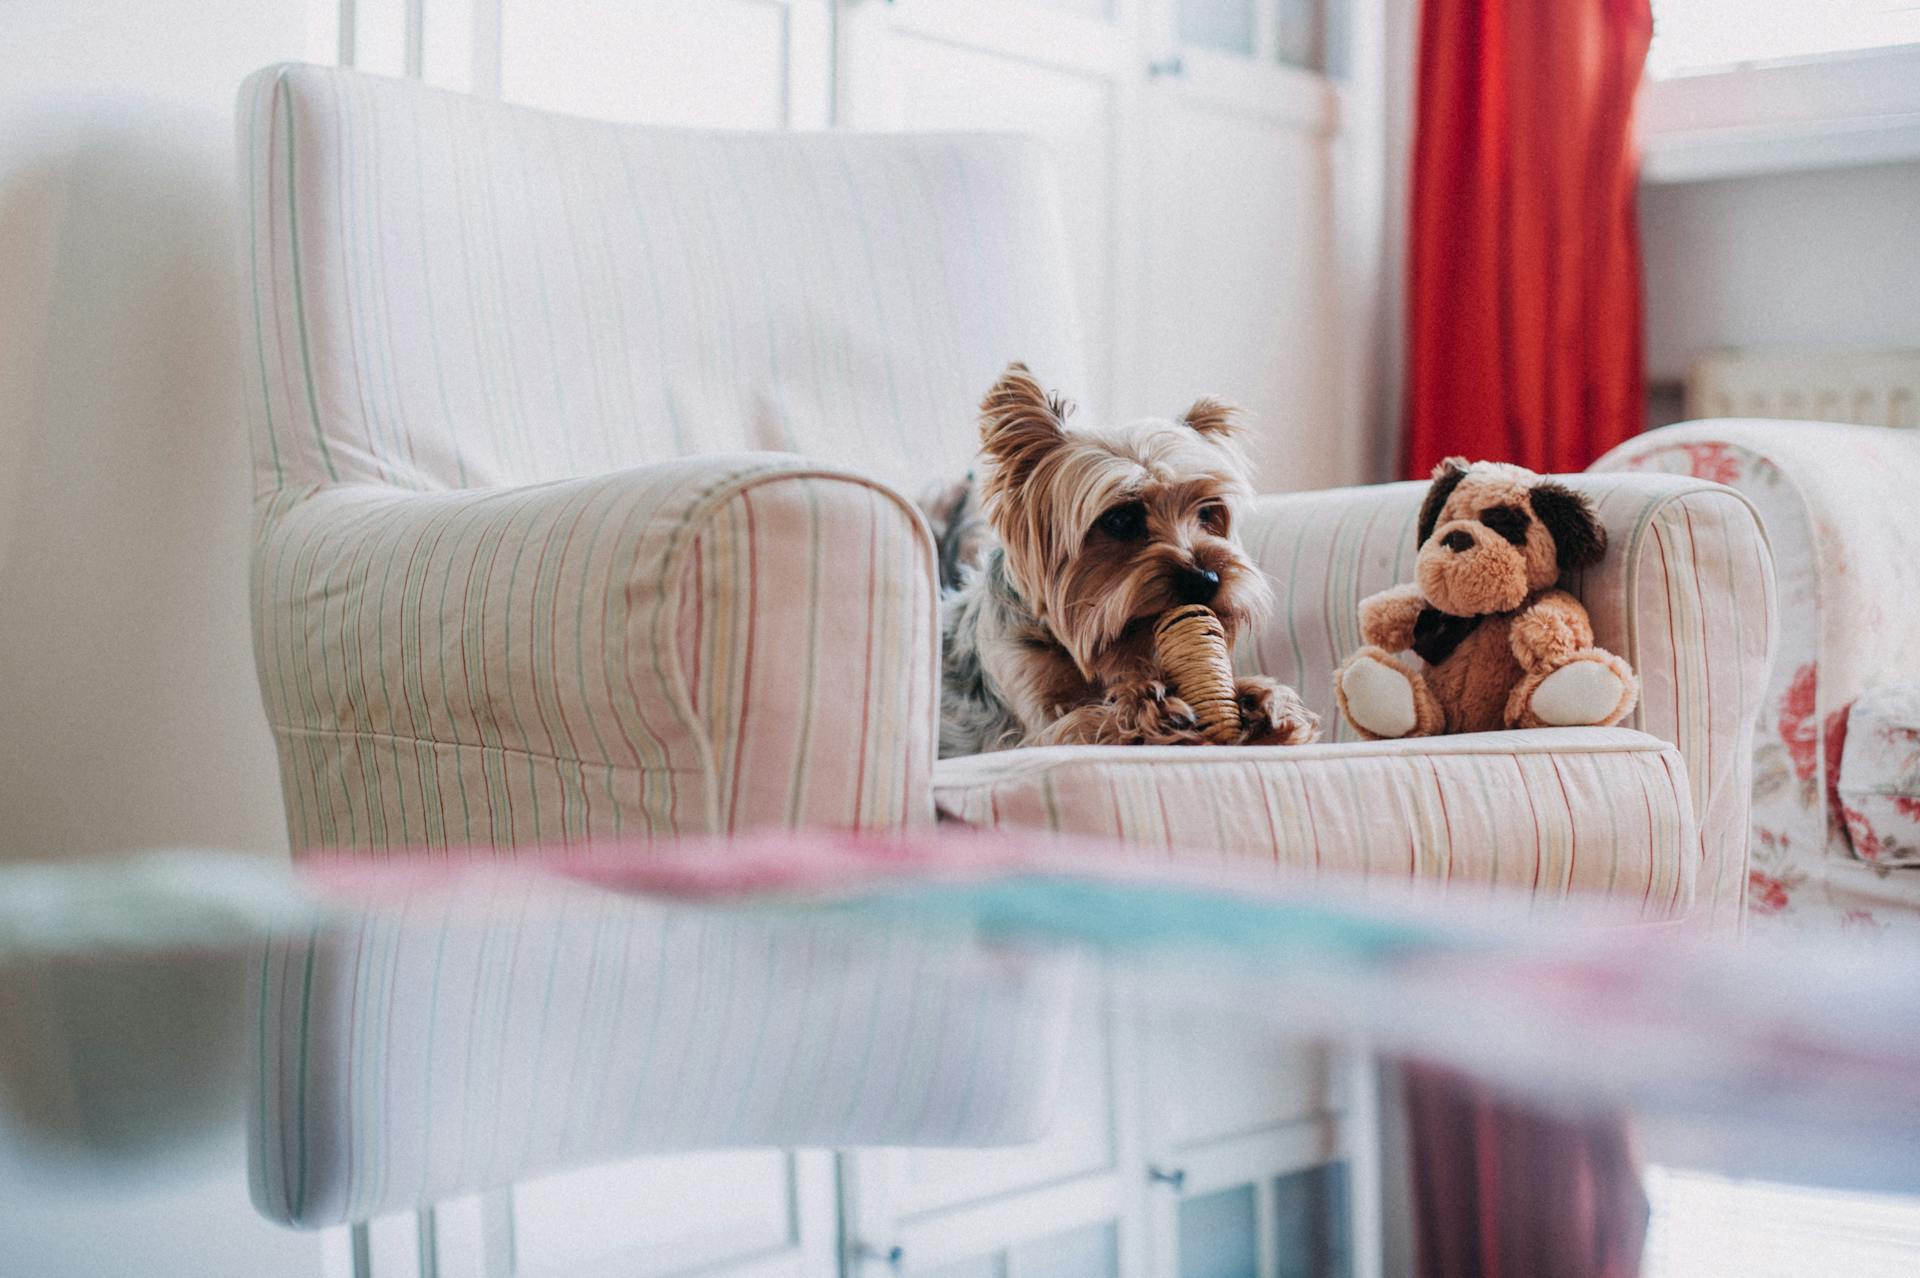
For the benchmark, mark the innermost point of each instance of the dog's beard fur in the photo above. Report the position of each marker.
(1060, 612)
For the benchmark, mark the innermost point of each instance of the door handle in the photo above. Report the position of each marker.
(893, 1257)
(1176, 1179)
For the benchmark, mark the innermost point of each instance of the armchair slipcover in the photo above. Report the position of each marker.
(580, 452)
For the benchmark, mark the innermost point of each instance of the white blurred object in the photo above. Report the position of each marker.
(154, 901)
(1866, 388)
(1706, 1226)
(1704, 35)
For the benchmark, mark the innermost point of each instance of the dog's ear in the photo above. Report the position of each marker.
(1019, 424)
(1578, 538)
(1214, 418)
(1446, 477)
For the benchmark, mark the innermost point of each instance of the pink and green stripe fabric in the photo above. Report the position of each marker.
(537, 554)
(1685, 594)
(1554, 812)
(453, 293)
(703, 645)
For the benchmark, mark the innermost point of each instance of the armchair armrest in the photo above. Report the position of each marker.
(704, 645)
(1685, 594)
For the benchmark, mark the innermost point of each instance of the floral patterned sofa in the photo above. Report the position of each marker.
(1836, 810)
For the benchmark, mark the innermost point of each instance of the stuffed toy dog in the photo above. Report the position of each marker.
(1500, 646)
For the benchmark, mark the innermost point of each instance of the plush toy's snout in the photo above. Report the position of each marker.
(1467, 569)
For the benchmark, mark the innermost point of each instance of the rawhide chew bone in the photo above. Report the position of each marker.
(1191, 646)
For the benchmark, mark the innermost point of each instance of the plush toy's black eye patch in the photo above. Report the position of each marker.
(1452, 471)
(1510, 522)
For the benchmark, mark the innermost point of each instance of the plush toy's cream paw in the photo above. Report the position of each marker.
(1383, 700)
(1594, 689)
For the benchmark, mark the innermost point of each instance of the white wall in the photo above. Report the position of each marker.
(126, 689)
(1824, 259)
(128, 714)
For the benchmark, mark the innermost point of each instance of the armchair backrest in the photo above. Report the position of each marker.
(449, 292)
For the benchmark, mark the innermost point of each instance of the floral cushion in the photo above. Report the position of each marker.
(1877, 795)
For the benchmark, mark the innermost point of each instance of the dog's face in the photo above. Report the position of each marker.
(1491, 534)
(1106, 529)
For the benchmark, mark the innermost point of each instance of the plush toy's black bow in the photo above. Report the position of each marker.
(1436, 634)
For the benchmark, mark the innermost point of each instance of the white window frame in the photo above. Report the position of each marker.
(1828, 111)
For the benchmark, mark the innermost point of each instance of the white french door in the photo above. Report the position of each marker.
(1248, 284)
(1223, 237)
(1066, 72)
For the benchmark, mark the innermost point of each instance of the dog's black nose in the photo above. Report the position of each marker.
(1196, 585)
(1457, 541)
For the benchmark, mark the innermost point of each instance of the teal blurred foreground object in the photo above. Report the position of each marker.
(366, 1019)
(1121, 916)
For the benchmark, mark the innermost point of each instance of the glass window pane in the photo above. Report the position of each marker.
(1303, 37)
(1218, 24)
(1310, 1223)
(987, 1266)
(1217, 1235)
(1092, 1252)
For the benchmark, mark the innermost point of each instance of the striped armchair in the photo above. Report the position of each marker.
(580, 451)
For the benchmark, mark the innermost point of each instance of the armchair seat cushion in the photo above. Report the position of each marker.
(1554, 811)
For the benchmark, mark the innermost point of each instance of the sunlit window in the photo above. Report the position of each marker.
(1711, 35)
(1708, 1226)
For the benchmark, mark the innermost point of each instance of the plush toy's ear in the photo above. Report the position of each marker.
(1446, 477)
(1212, 417)
(1578, 538)
(1019, 424)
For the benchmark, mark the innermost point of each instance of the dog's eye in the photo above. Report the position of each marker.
(1213, 517)
(1124, 523)
(1509, 521)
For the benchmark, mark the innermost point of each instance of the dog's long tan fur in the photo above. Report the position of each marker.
(1099, 532)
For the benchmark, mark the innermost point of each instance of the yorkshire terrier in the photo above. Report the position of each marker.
(1094, 534)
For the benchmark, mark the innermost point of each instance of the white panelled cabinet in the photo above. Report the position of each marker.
(1221, 197)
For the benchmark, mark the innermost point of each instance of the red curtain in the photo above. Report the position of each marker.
(1501, 1191)
(1524, 305)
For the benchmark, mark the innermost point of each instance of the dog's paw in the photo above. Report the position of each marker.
(1273, 714)
(1158, 717)
(1168, 712)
